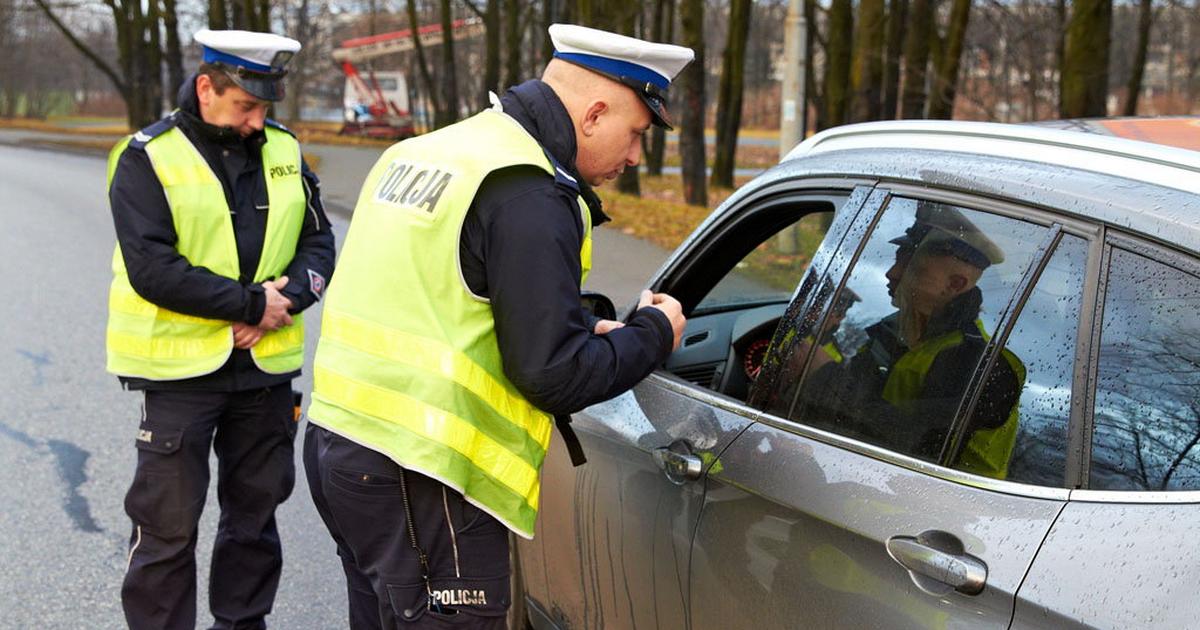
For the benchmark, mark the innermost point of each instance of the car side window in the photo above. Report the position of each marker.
(1041, 347)
(772, 270)
(898, 346)
(1147, 405)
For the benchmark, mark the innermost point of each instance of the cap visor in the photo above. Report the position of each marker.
(266, 87)
(658, 111)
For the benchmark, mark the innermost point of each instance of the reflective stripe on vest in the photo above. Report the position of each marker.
(147, 341)
(987, 451)
(408, 363)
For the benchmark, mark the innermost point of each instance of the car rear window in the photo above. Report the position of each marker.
(1147, 407)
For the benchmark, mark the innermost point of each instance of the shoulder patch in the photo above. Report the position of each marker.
(561, 176)
(154, 130)
(274, 124)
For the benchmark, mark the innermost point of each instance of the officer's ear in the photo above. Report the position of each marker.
(591, 117)
(204, 89)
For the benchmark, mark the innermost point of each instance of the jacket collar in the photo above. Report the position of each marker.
(543, 115)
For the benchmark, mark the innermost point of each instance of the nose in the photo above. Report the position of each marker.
(257, 118)
(635, 153)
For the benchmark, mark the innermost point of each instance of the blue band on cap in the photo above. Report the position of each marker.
(216, 56)
(617, 67)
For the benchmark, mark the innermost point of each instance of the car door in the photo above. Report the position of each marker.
(615, 533)
(1123, 554)
(816, 518)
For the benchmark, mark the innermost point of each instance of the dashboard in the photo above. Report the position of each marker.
(724, 350)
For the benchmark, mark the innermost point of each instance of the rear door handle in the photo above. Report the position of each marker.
(680, 467)
(938, 564)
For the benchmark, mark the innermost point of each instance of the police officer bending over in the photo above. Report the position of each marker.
(453, 332)
(222, 242)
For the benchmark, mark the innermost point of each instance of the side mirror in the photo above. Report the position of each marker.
(598, 304)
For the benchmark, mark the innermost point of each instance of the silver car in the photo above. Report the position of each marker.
(935, 375)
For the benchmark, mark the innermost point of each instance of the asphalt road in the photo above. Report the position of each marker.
(67, 429)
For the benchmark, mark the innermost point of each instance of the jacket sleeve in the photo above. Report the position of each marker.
(311, 268)
(157, 271)
(531, 258)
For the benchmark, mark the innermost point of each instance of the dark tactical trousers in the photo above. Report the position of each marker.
(357, 492)
(254, 433)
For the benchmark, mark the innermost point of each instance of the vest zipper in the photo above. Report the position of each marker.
(450, 526)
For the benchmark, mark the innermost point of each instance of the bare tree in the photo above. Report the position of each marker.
(916, 58)
(838, 51)
(945, 78)
(512, 42)
(431, 91)
(1084, 81)
(897, 11)
(866, 74)
(729, 93)
(139, 56)
(490, 15)
(661, 30)
(1134, 86)
(691, 83)
(448, 114)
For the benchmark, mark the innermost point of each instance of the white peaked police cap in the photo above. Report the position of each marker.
(645, 67)
(255, 61)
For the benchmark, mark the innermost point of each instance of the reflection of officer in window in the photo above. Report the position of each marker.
(903, 387)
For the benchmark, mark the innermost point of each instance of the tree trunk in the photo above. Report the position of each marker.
(1134, 86)
(866, 76)
(897, 12)
(916, 58)
(661, 31)
(815, 99)
(625, 14)
(691, 124)
(491, 72)
(512, 42)
(547, 20)
(1085, 64)
(837, 61)
(448, 114)
(945, 83)
(729, 93)
(423, 66)
(174, 54)
(218, 15)
(1060, 44)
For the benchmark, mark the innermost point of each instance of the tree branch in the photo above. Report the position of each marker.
(474, 9)
(87, 52)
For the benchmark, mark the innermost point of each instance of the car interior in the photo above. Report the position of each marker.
(735, 285)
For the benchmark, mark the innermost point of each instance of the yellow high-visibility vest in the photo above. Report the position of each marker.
(987, 451)
(147, 341)
(408, 364)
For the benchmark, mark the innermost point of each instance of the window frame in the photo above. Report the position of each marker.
(1057, 224)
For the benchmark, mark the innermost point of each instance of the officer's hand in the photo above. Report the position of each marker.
(245, 335)
(604, 326)
(276, 314)
(670, 307)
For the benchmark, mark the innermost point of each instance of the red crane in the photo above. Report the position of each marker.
(382, 111)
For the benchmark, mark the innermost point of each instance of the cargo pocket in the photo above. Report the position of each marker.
(457, 602)
(156, 500)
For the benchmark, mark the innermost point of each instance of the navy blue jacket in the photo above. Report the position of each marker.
(520, 248)
(158, 273)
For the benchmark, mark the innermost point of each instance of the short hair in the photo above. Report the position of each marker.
(216, 73)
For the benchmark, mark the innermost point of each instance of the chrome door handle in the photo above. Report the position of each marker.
(679, 467)
(938, 564)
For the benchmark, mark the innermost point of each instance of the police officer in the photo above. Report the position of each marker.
(454, 332)
(222, 242)
(904, 386)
